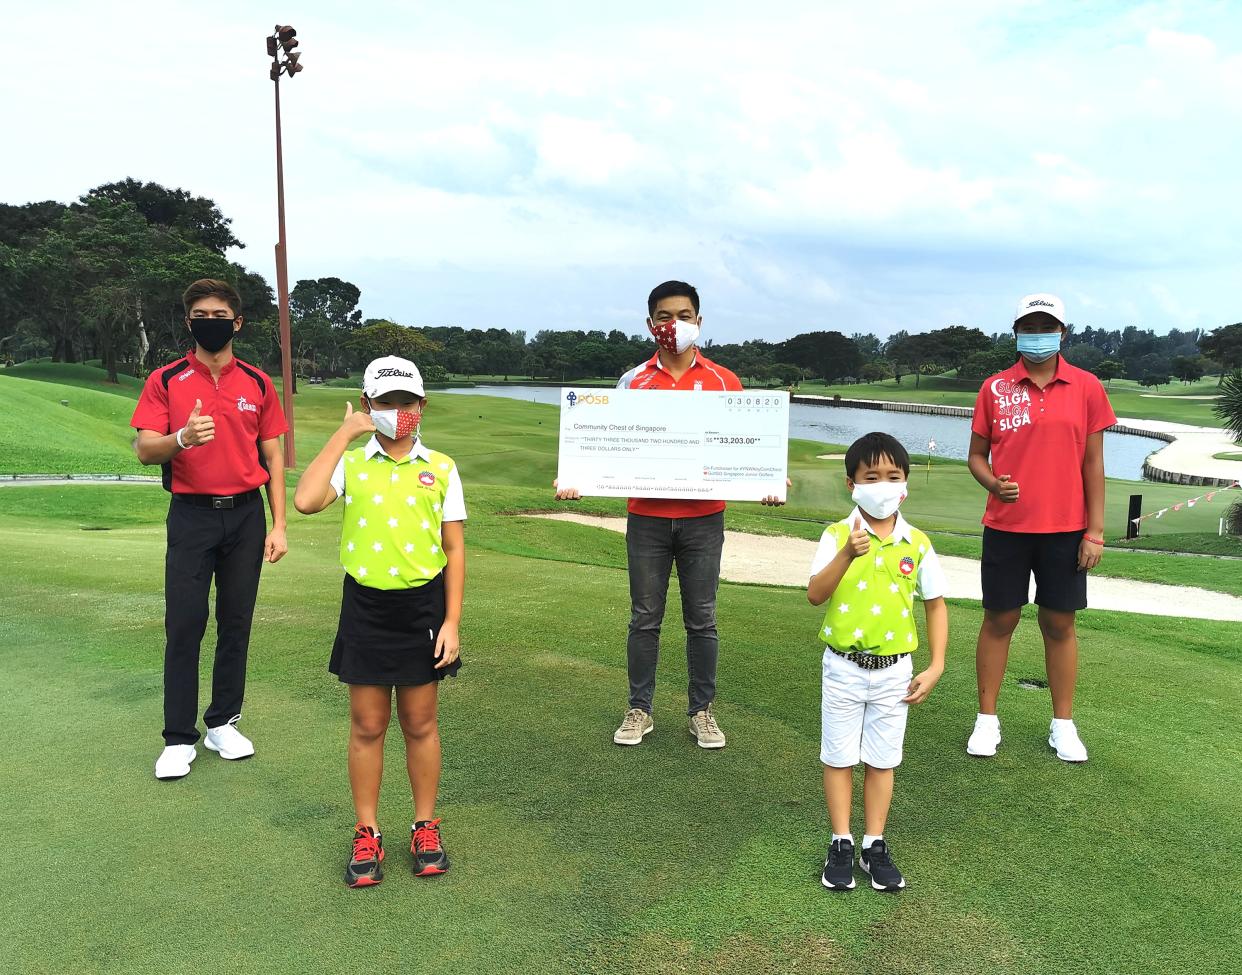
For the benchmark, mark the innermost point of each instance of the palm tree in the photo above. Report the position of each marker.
(1229, 409)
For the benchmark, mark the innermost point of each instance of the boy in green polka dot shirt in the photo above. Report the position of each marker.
(403, 552)
(869, 569)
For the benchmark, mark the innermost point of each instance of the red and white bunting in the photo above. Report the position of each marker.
(1186, 504)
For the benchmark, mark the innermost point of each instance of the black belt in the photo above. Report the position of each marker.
(870, 661)
(219, 501)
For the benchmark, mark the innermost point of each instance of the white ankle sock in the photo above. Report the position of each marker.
(843, 836)
(987, 719)
(1062, 724)
(868, 839)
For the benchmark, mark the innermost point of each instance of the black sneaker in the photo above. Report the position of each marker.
(363, 869)
(875, 860)
(429, 856)
(839, 867)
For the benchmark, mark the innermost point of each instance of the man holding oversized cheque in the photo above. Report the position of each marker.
(678, 460)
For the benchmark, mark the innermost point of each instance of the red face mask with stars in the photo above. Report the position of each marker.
(395, 424)
(674, 336)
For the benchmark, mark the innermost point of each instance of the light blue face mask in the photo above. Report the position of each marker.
(1039, 346)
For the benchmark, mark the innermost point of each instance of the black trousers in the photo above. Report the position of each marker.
(202, 543)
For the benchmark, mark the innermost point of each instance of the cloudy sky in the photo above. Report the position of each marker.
(819, 165)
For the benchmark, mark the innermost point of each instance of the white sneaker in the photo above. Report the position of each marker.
(228, 741)
(705, 730)
(1063, 738)
(636, 725)
(174, 762)
(984, 739)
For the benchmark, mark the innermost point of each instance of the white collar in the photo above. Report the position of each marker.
(373, 447)
(901, 528)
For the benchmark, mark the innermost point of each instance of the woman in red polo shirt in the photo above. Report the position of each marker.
(1042, 422)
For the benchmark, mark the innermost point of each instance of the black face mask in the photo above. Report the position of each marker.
(213, 334)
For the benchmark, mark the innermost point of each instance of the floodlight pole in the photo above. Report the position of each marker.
(282, 292)
(282, 41)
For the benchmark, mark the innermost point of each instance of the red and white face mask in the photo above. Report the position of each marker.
(395, 424)
(674, 336)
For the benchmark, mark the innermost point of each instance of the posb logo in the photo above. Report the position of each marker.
(907, 566)
(426, 478)
(590, 399)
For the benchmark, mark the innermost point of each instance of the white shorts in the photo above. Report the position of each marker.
(864, 716)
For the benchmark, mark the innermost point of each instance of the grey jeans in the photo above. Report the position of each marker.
(653, 545)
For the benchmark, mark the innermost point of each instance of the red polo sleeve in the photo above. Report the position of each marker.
(981, 422)
(271, 416)
(151, 413)
(1100, 415)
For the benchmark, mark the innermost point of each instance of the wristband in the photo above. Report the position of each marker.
(181, 443)
(1093, 541)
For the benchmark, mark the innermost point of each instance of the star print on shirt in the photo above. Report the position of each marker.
(362, 476)
(436, 506)
(879, 561)
(362, 571)
(393, 571)
(909, 638)
(434, 549)
(444, 467)
(426, 524)
(905, 613)
(893, 587)
(409, 499)
(875, 610)
(392, 522)
(378, 498)
(349, 547)
(888, 635)
(362, 523)
(862, 584)
(409, 547)
(395, 477)
(349, 499)
(843, 608)
(858, 634)
(378, 547)
(827, 631)
(922, 549)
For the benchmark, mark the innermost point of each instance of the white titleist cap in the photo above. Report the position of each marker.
(1048, 304)
(391, 372)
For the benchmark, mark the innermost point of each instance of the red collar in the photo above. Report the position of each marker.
(203, 369)
(655, 363)
(1018, 372)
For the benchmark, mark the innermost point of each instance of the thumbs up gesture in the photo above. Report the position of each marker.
(357, 423)
(859, 542)
(199, 429)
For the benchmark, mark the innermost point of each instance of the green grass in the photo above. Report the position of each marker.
(1228, 455)
(570, 854)
(1126, 396)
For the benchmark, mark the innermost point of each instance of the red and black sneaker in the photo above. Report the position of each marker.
(363, 869)
(429, 856)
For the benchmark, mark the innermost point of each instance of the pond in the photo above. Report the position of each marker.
(1123, 453)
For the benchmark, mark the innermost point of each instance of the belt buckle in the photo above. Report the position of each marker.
(225, 502)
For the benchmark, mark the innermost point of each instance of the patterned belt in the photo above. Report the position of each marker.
(870, 661)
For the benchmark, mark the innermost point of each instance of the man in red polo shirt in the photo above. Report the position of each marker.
(213, 423)
(664, 531)
(1037, 446)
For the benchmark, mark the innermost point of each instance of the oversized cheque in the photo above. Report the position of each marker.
(723, 446)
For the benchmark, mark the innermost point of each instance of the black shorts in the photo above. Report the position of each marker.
(1009, 558)
(388, 636)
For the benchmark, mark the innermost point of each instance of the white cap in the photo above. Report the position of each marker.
(389, 373)
(1048, 304)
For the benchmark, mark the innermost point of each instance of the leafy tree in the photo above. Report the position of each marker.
(389, 338)
(1083, 356)
(1154, 380)
(336, 301)
(876, 371)
(1188, 368)
(829, 354)
(1224, 346)
(1108, 370)
(195, 218)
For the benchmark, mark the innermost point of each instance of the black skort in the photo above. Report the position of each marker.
(1010, 558)
(388, 636)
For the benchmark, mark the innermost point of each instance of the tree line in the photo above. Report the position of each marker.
(101, 278)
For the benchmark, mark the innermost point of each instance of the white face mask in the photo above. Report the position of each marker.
(395, 424)
(676, 336)
(880, 499)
